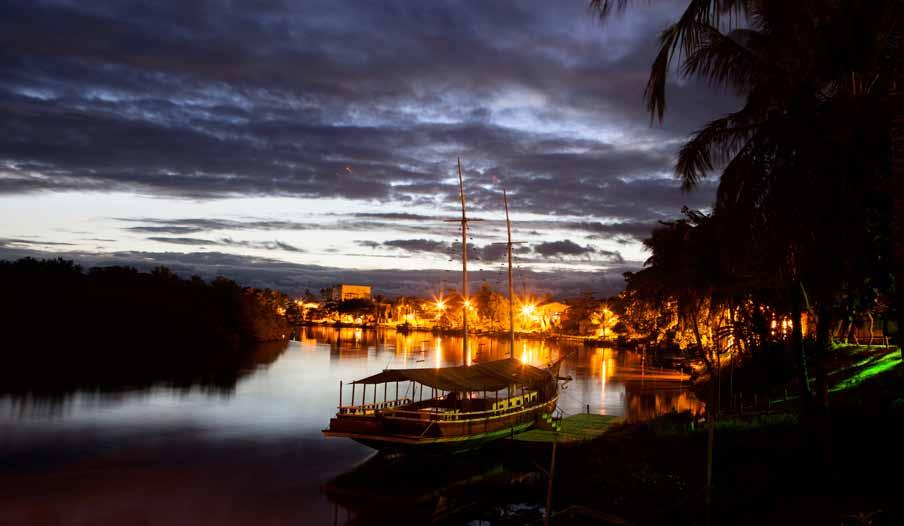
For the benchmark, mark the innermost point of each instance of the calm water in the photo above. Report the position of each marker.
(188, 456)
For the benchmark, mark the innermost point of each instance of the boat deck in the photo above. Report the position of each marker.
(575, 428)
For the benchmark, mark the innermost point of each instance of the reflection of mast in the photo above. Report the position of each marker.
(511, 289)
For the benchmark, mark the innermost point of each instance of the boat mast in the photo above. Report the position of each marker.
(464, 268)
(511, 288)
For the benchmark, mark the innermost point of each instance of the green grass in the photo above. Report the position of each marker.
(575, 428)
(866, 369)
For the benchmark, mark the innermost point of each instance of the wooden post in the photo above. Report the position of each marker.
(588, 409)
(375, 395)
(353, 393)
(552, 472)
(385, 386)
(397, 390)
(340, 396)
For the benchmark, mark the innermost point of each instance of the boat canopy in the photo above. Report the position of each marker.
(488, 376)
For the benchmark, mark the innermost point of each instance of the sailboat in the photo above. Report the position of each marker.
(465, 407)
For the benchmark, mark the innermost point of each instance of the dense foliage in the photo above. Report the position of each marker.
(118, 326)
(806, 202)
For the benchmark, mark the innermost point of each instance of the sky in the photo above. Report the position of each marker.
(298, 144)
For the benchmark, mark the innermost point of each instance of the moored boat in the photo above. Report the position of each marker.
(448, 408)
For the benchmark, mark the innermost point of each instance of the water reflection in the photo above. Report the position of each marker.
(266, 425)
(210, 373)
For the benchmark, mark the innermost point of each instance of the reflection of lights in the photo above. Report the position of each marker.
(603, 380)
(439, 352)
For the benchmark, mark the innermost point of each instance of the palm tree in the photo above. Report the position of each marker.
(803, 158)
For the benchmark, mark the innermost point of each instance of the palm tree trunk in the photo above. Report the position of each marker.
(823, 348)
(819, 419)
(797, 343)
(898, 198)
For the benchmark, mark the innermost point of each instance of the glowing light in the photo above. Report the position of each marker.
(440, 305)
(527, 310)
(468, 304)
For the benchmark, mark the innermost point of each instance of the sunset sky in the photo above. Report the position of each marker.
(296, 144)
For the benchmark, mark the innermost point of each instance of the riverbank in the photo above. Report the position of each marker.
(767, 468)
(406, 329)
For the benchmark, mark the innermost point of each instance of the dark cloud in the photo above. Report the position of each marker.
(400, 216)
(418, 245)
(192, 225)
(565, 247)
(166, 229)
(31, 242)
(368, 244)
(227, 242)
(191, 241)
(325, 99)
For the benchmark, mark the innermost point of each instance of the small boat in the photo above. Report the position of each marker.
(465, 406)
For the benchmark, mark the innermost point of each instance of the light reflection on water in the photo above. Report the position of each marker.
(279, 409)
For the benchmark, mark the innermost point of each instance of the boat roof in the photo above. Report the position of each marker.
(487, 376)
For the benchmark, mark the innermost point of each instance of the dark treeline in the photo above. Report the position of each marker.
(116, 327)
(803, 249)
(809, 192)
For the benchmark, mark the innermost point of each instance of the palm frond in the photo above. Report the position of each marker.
(714, 144)
(723, 59)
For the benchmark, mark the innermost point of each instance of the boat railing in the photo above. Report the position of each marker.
(445, 415)
(365, 409)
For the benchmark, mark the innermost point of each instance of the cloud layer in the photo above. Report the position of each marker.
(367, 103)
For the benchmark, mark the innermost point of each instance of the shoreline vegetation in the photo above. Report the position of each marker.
(118, 328)
(770, 466)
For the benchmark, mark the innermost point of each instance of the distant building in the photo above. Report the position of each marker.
(345, 292)
(551, 315)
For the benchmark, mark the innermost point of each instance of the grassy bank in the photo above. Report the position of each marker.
(767, 469)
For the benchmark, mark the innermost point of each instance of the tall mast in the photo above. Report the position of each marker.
(464, 268)
(511, 288)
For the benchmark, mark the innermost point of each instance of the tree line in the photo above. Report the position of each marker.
(810, 200)
(117, 326)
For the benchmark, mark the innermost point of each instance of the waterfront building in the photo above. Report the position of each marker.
(344, 292)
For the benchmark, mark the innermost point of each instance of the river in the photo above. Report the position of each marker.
(255, 453)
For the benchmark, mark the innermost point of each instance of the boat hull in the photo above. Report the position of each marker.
(408, 436)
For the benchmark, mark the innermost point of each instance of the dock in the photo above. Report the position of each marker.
(574, 429)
